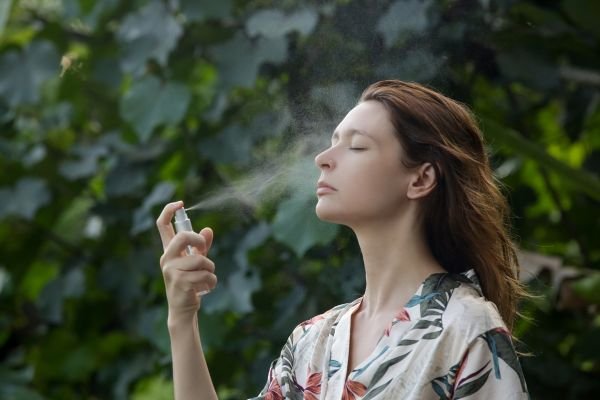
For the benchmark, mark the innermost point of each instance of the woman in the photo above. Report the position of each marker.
(408, 172)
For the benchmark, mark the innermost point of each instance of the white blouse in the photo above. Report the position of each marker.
(447, 342)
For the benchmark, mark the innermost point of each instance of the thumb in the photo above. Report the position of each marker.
(208, 235)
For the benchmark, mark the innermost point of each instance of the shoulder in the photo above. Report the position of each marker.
(469, 313)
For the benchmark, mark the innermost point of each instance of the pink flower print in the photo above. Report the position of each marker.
(353, 389)
(312, 321)
(402, 315)
(274, 391)
(313, 386)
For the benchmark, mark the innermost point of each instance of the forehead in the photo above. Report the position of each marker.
(370, 118)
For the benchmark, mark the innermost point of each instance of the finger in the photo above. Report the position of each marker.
(197, 280)
(175, 275)
(193, 263)
(163, 223)
(208, 235)
(181, 241)
(201, 279)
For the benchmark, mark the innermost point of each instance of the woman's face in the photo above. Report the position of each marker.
(364, 168)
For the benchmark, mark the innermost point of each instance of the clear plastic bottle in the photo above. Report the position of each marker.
(183, 224)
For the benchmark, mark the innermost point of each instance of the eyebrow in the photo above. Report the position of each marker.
(353, 132)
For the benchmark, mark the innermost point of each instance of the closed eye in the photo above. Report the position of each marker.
(357, 148)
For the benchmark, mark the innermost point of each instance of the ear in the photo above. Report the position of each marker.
(422, 182)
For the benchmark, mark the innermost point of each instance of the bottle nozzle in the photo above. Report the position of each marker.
(182, 222)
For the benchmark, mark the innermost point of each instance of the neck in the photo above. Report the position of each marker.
(397, 260)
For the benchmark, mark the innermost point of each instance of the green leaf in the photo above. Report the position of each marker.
(150, 103)
(150, 324)
(418, 65)
(584, 13)
(200, 10)
(214, 337)
(86, 163)
(235, 294)
(588, 287)
(153, 388)
(50, 301)
(150, 33)
(16, 392)
(241, 285)
(297, 225)
(86, 13)
(4, 13)
(125, 178)
(403, 18)
(23, 72)
(15, 376)
(25, 199)
(525, 65)
(581, 180)
(37, 276)
(71, 223)
(143, 219)
(338, 98)
(239, 59)
(274, 23)
(256, 236)
(231, 146)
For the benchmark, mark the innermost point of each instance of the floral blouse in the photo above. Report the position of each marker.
(447, 342)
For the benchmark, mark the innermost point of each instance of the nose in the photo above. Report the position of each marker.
(324, 160)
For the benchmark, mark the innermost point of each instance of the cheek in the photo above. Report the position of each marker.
(375, 177)
(381, 187)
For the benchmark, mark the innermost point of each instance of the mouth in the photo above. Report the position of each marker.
(324, 188)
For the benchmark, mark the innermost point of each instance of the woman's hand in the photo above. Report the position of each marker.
(184, 275)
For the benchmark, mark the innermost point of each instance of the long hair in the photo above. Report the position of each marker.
(466, 216)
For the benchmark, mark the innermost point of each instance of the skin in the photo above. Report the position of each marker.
(374, 195)
(379, 199)
(184, 276)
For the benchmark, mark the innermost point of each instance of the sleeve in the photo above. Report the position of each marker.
(280, 379)
(288, 372)
(272, 389)
(490, 369)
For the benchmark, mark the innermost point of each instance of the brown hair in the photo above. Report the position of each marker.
(466, 217)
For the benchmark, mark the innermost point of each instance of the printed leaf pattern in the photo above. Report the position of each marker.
(375, 391)
(433, 300)
(471, 384)
(501, 346)
(444, 385)
(334, 366)
(384, 371)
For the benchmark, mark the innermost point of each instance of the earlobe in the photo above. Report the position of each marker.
(423, 182)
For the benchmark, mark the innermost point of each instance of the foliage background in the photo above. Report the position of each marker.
(109, 109)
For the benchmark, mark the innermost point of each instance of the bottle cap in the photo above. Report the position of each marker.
(180, 215)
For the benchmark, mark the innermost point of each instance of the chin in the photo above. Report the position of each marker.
(326, 214)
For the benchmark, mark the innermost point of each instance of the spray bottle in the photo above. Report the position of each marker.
(183, 224)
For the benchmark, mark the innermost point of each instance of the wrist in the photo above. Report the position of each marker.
(179, 321)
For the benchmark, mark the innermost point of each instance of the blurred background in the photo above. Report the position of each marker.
(110, 109)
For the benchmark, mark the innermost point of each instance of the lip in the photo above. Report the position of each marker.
(324, 188)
